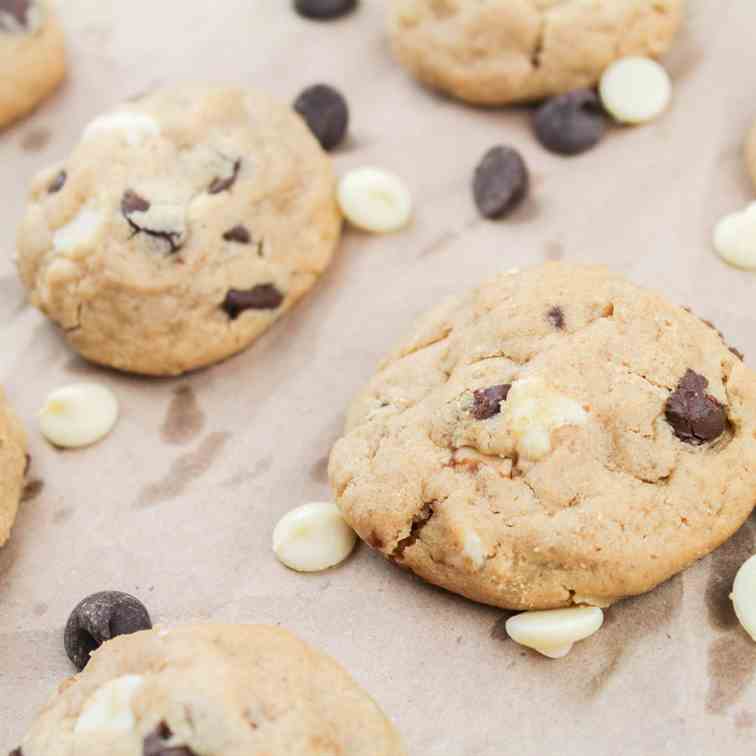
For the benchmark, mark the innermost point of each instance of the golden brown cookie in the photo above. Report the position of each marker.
(554, 437)
(13, 462)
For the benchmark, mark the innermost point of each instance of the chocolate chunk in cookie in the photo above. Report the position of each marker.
(219, 184)
(570, 123)
(155, 743)
(16, 752)
(324, 9)
(555, 316)
(326, 112)
(695, 416)
(260, 297)
(160, 222)
(487, 402)
(238, 234)
(57, 183)
(500, 183)
(18, 10)
(101, 617)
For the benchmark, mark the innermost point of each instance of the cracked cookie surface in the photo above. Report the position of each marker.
(500, 51)
(13, 463)
(225, 690)
(181, 227)
(32, 56)
(531, 461)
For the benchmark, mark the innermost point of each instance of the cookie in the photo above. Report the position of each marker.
(32, 56)
(557, 436)
(502, 51)
(13, 463)
(181, 227)
(225, 690)
(751, 153)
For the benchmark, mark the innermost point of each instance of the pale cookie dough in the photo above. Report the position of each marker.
(751, 153)
(211, 690)
(32, 56)
(13, 463)
(181, 227)
(554, 437)
(502, 51)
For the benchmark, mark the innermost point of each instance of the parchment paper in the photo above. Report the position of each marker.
(178, 504)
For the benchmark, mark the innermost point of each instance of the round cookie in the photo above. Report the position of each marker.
(182, 226)
(555, 437)
(751, 153)
(13, 462)
(32, 56)
(504, 51)
(225, 690)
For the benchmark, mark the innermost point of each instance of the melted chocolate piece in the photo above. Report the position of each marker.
(695, 416)
(218, 185)
(487, 402)
(261, 297)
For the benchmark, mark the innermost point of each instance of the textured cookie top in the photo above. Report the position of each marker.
(180, 228)
(500, 51)
(13, 463)
(211, 690)
(556, 436)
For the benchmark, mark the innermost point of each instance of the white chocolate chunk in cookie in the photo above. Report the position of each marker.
(554, 632)
(735, 238)
(744, 596)
(134, 127)
(109, 708)
(533, 410)
(375, 200)
(313, 537)
(635, 90)
(78, 235)
(78, 415)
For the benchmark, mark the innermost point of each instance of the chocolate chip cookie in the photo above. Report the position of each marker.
(181, 227)
(32, 56)
(225, 690)
(13, 463)
(557, 436)
(751, 153)
(501, 51)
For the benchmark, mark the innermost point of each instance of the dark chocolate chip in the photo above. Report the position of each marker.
(238, 234)
(261, 297)
(487, 402)
(218, 185)
(16, 752)
(17, 9)
(326, 112)
(555, 316)
(28, 463)
(501, 182)
(131, 203)
(324, 9)
(695, 416)
(570, 123)
(155, 743)
(57, 183)
(99, 618)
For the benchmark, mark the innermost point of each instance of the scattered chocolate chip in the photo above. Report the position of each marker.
(57, 183)
(555, 316)
(324, 9)
(570, 123)
(326, 112)
(695, 416)
(99, 618)
(16, 752)
(17, 9)
(487, 402)
(155, 743)
(218, 185)
(261, 297)
(132, 203)
(501, 182)
(238, 234)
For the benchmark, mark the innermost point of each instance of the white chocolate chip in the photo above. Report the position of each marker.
(533, 410)
(313, 537)
(744, 596)
(78, 415)
(79, 234)
(109, 707)
(735, 238)
(472, 548)
(635, 90)
(553, 632)
(134, 127)
(375, 200)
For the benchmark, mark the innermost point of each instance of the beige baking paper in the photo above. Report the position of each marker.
(178, 504)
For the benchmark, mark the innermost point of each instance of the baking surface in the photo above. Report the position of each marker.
(177, 506)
